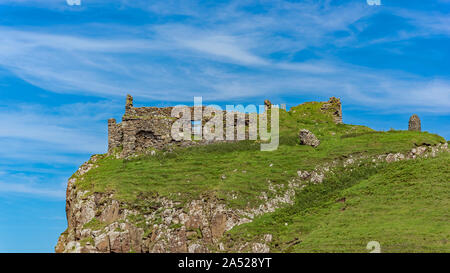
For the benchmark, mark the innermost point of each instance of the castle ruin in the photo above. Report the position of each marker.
(144, 128)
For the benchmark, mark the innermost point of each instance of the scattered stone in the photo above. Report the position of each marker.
(195, 248)
(221, 247)
(304, 174)
(260, 248)
(390, 158)
(268, 238)
(308, 138)
(317, 177)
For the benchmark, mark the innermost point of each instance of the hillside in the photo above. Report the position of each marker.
(402, 205)
(234, 197)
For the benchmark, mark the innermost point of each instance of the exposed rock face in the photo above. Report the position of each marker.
(308, 138)
(335, 107)
(414, 123)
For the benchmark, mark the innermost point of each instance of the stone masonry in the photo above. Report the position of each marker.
(143, 128)
(335, 107)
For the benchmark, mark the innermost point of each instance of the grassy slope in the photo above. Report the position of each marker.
(403, 205)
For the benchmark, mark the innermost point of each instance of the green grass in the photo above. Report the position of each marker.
(86, 240)
(404, 206)
(190, 173)
(95, 224)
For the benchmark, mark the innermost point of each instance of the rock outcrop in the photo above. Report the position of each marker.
(308, 138)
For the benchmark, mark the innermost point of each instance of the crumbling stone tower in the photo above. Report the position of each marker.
(334, 106)
(414, 123)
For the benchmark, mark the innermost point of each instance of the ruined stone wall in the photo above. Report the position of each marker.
(143, 128)
(334, 106)
(115, 135)
(150, 127)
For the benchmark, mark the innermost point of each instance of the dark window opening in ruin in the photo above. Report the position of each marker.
(145, 140)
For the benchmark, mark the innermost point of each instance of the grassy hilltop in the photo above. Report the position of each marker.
(403, 205)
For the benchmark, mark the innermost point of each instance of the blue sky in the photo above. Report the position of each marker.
(64, 70)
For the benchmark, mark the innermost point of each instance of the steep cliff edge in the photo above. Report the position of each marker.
(189, 199)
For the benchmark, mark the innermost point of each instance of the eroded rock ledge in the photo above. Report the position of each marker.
(97, 222)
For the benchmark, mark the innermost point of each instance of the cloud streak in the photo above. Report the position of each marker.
(31, 190)
(230, 58)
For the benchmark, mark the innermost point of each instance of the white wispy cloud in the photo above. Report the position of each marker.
(31, 190)
(38, 184)
(42, 145)
(427, 23)
(222, 52)
(34, 133)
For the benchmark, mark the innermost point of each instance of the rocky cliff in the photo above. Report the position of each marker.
(99, 222)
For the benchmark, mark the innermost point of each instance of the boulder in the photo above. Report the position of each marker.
(308, 138)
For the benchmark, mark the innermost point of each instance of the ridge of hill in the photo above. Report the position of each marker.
(233, 197)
